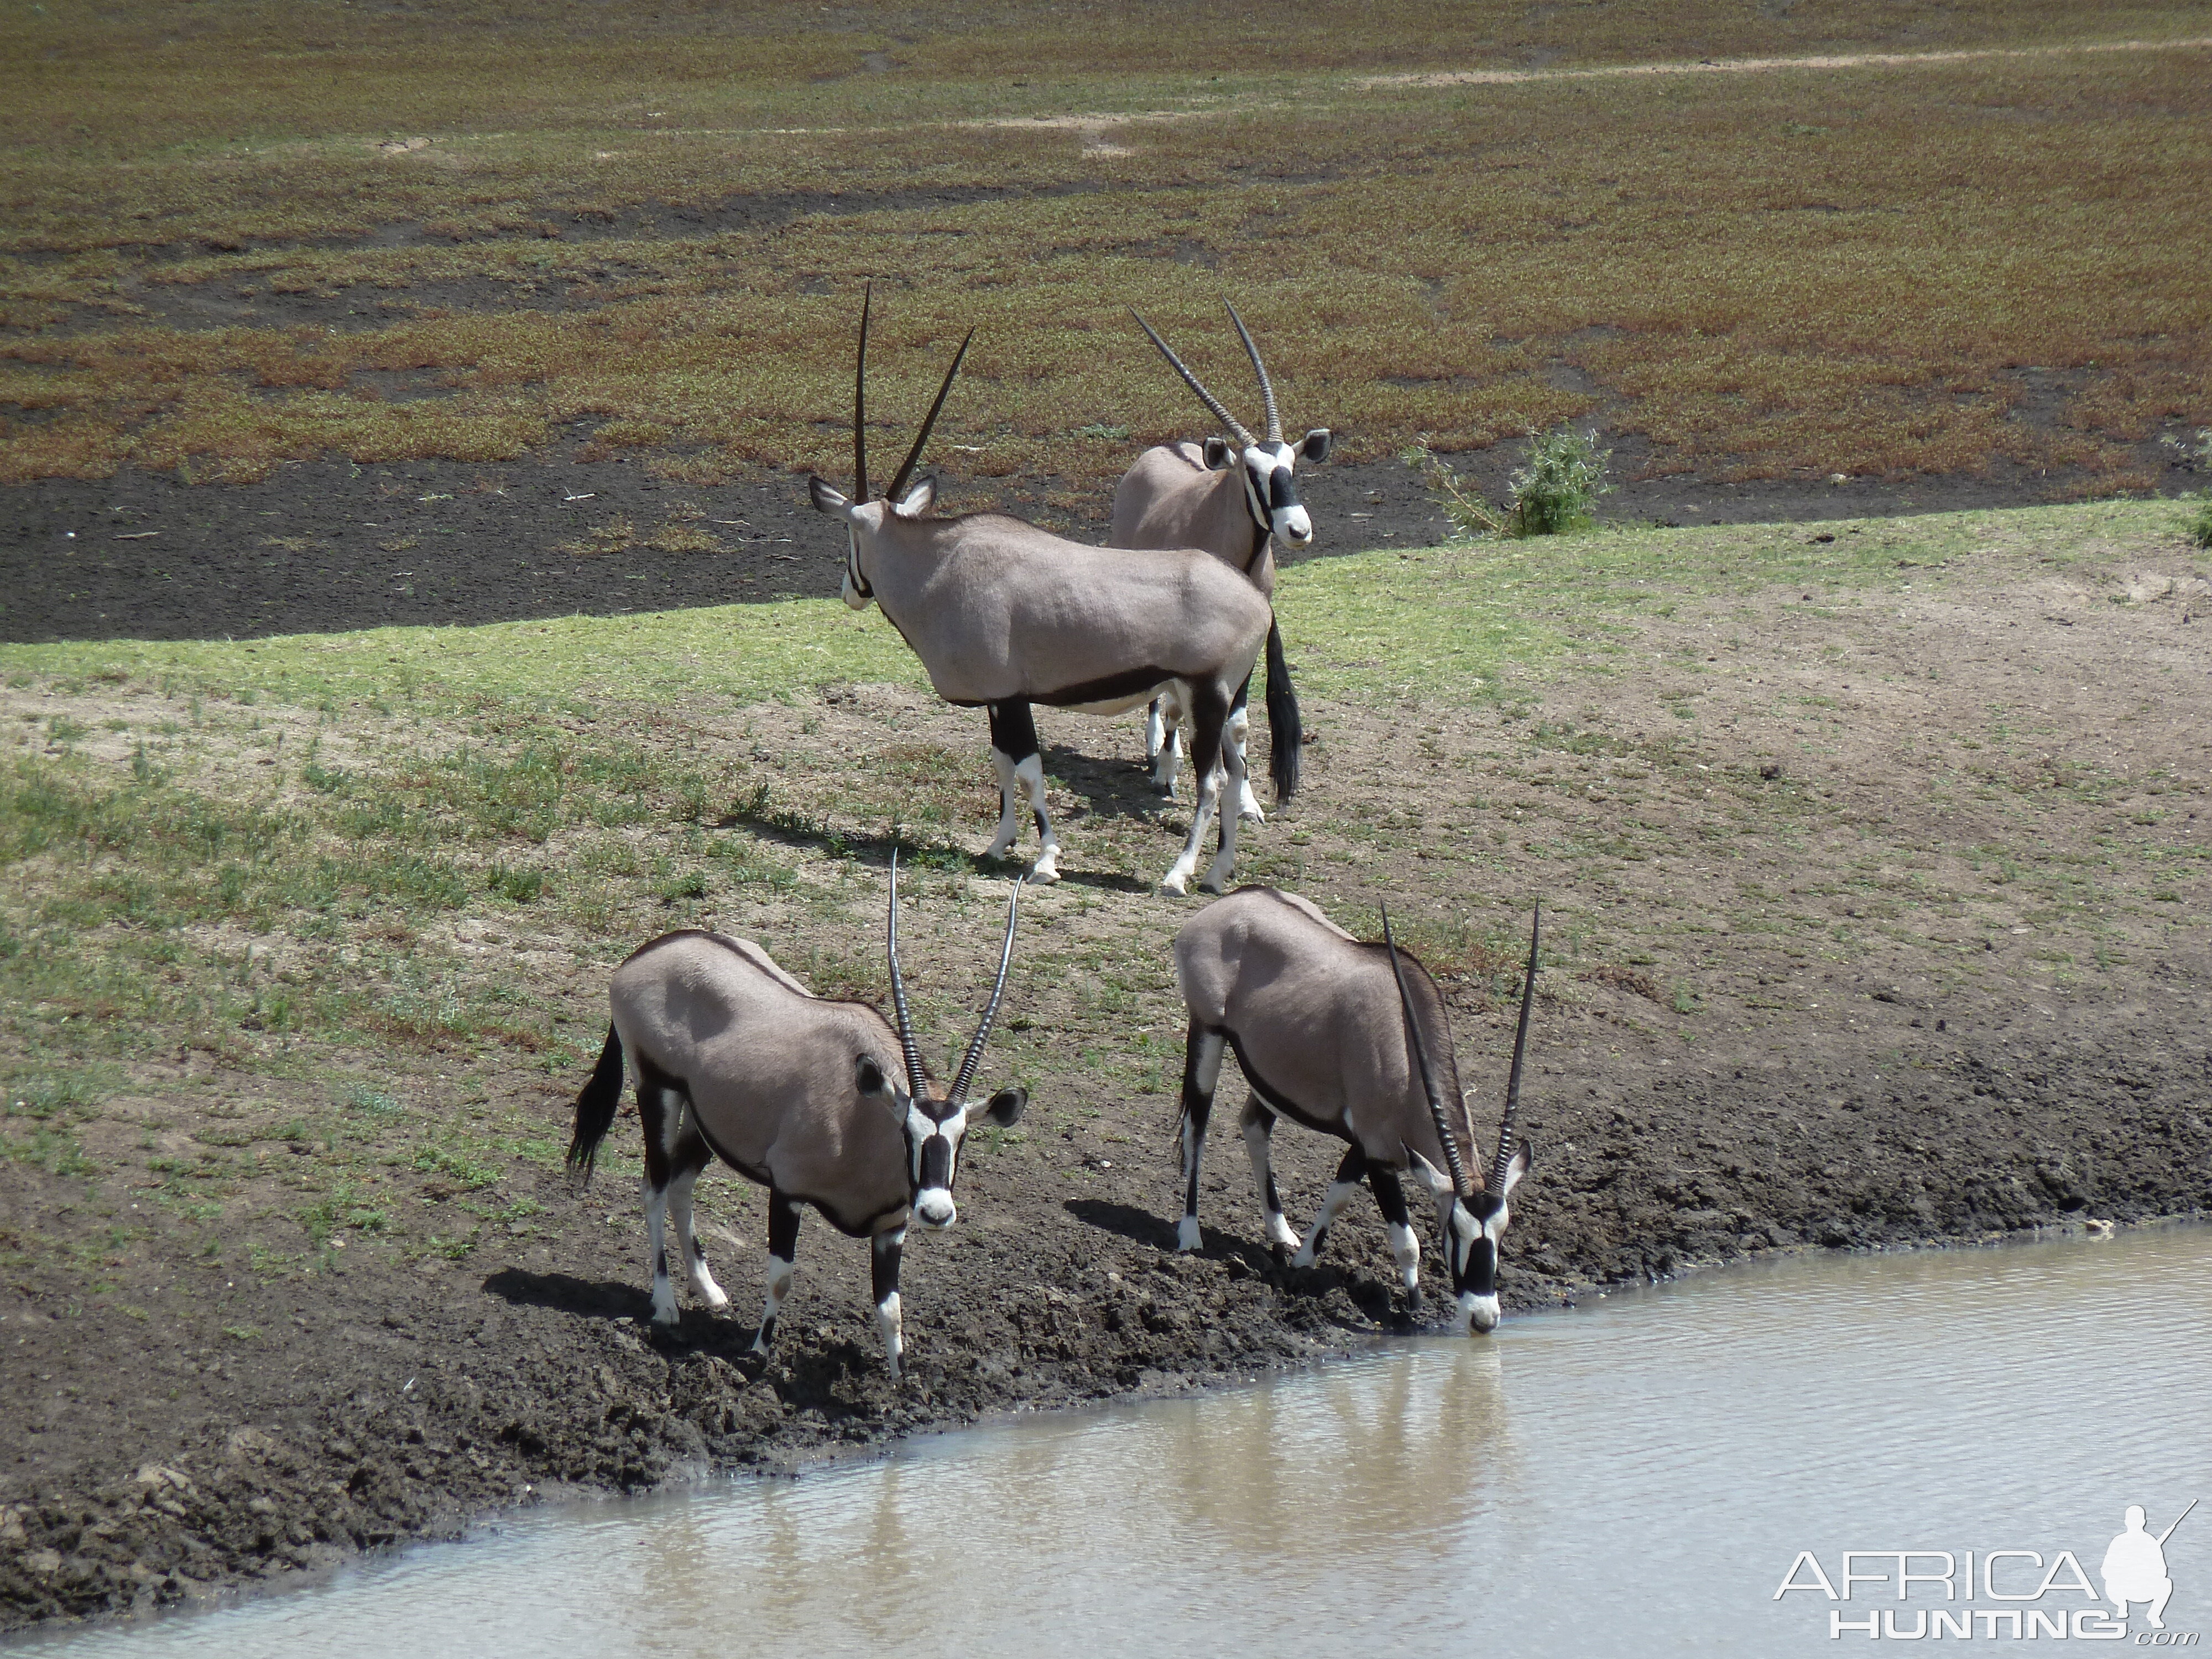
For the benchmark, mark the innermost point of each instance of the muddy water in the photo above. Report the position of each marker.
(1637, 1476)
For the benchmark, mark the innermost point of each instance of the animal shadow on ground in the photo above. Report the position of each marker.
(792, 829)
(1113, 787)
(1125, 1220)
(606, 1299)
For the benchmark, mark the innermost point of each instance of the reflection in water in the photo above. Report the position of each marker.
(1633, 1477)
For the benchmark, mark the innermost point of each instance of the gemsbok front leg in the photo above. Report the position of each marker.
(1201, 1072)
(1209, 719)
(694, 1156)
(1020, 765)
(1405, 1243)
(782, 1260)
(1345, 1182)
(1258, 1126)
(884, 1253)
(660, 1108)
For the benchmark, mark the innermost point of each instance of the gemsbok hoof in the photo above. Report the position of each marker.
(1172, 886)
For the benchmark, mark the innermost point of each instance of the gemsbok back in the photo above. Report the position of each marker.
(1337, 1035)
(1235, 502)
(734, 1059)
(1004, 615)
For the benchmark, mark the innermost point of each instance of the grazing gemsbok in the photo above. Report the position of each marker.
(1186, 495)
(735, 1059)
(1337, 1035)
(1004, 615)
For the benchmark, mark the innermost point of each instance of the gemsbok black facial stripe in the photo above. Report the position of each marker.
(936, 1163)
(1480, 1272)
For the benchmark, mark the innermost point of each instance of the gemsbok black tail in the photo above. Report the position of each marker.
(596, 1106)
(1287, 732)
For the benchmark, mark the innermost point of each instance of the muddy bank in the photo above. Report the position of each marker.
(251, 1430)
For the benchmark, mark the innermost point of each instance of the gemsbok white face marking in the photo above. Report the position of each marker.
(1336, 1034)
(702, 1019)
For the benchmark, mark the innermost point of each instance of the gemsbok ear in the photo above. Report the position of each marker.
(826, 500)
(1523, 1156)
(868, 1078)
(1006, 1107)
(1438, 1183)
(918, 500)
(1218, 455)
(1317, 445)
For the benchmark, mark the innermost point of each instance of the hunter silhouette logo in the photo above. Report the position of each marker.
(2135, 1567)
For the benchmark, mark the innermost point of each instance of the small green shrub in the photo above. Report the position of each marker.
(1557, 489)
(1471, 516)
(2198, 525)
(692, 885)
(517, 886)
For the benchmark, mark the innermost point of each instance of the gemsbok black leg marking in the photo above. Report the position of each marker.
(782, 1252)
(1258, 1127)
(884, 1251)
(1020, 766)
(1235, 737)
(692, 1157)
(1405, 1243)
(660, 1107)
(1341, 1186)
(1209, 718)
(1201, 1072)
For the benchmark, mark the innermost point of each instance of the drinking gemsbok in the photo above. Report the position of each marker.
(735, 1059)
(1337, 1035)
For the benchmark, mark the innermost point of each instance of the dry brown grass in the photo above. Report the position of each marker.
(1840, 271)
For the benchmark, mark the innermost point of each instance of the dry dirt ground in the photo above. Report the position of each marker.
(1880, 917)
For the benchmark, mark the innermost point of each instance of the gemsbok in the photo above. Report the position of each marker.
(734, 1059)
(1337, 1035)
(1236, 503)
(1004, 615)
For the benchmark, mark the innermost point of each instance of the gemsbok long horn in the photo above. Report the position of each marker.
(860, 402)
(917, 1078)
(1520, 1049)
(1266, 387)
(906, 467)
(975, 1055)
(1220, 413)
(1460, 1183)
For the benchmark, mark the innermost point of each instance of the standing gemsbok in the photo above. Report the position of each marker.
(735, 1059)
(1236, 503)
(1337, 1035)
(1004, 615)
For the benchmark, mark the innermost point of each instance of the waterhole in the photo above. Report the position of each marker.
(1637, 1476)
